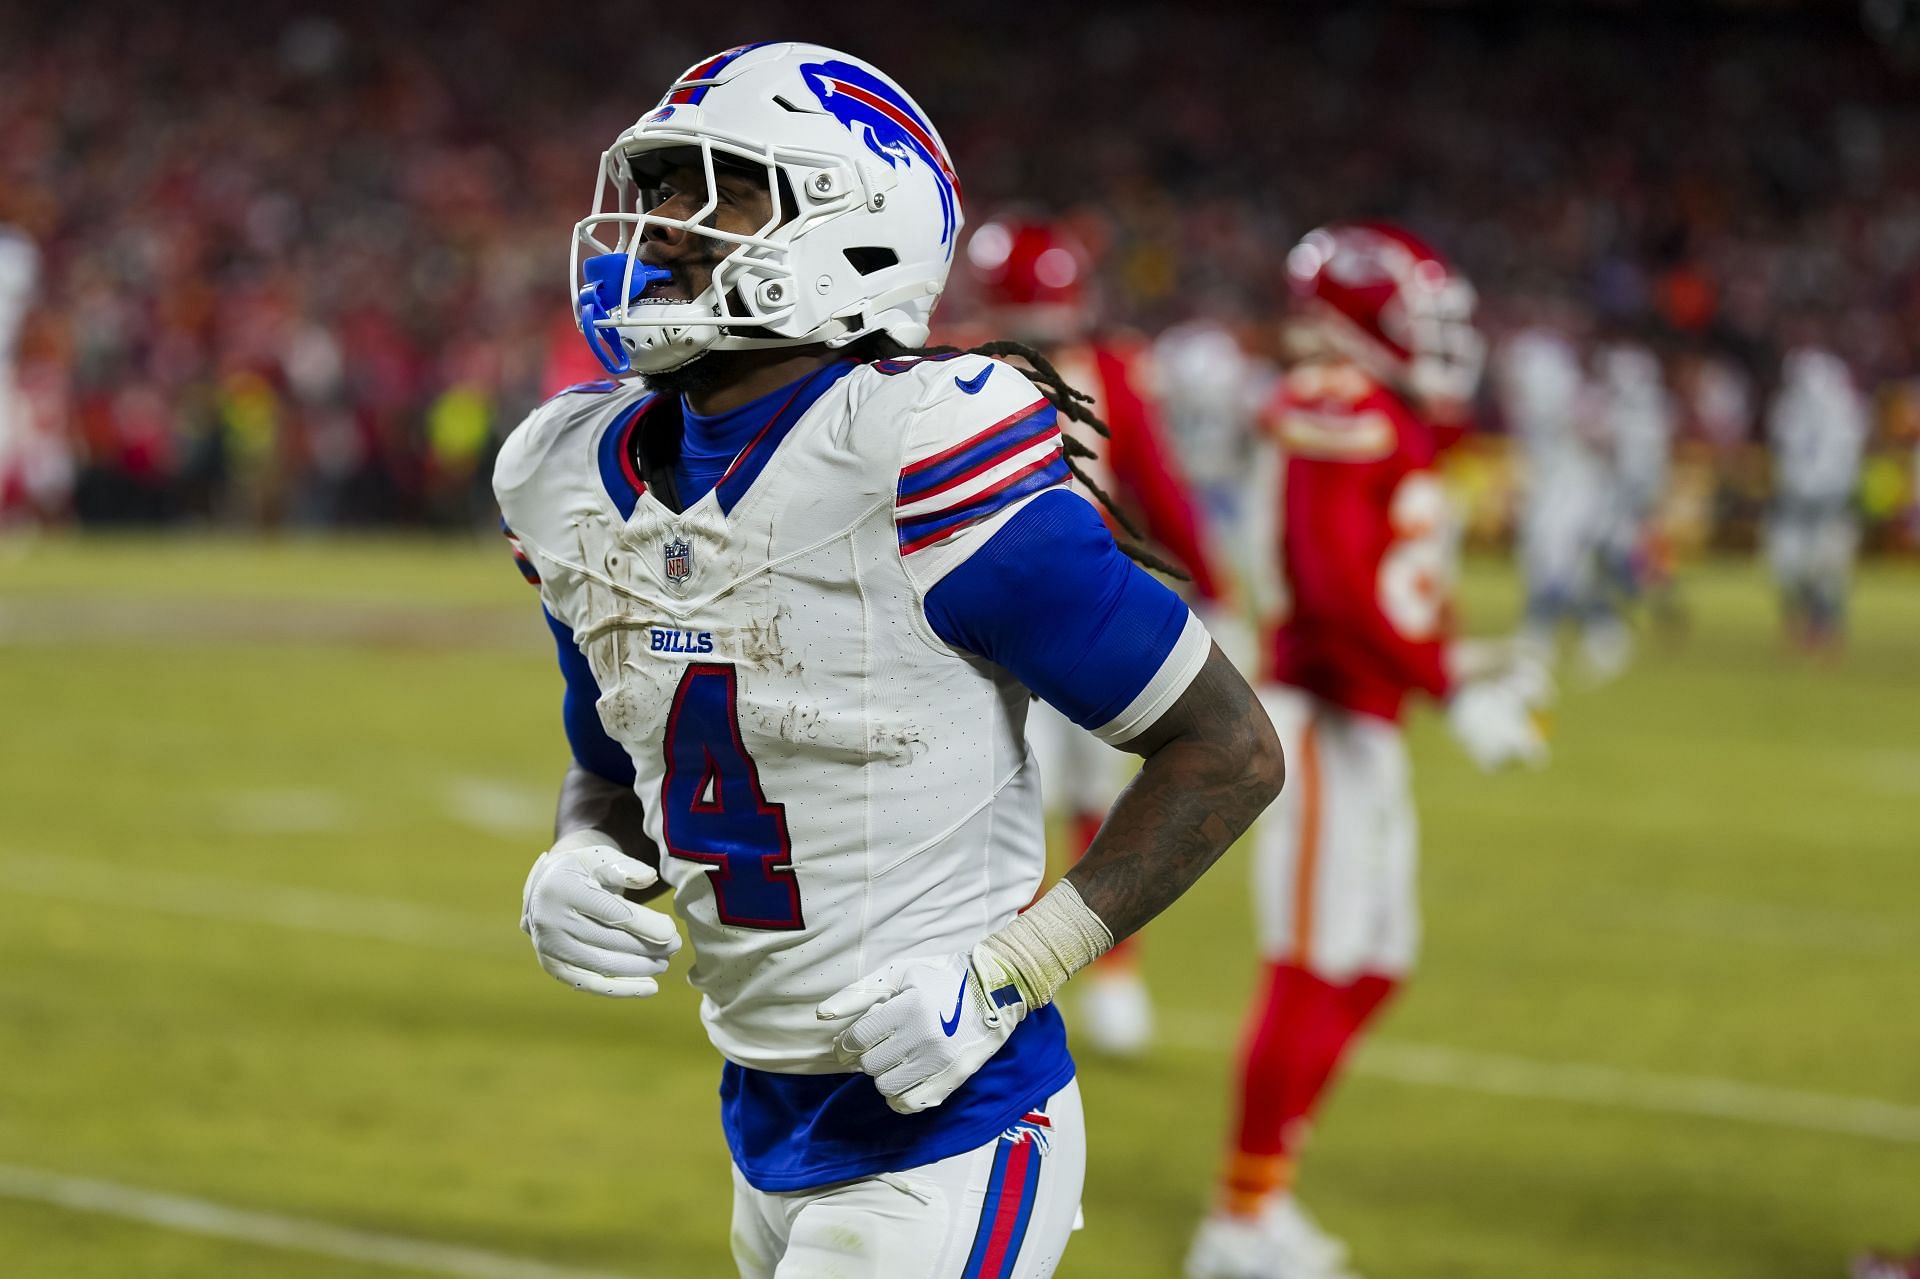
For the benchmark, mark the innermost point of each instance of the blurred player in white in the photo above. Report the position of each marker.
(19, 271)
(1386, 358)
(1031, 280)
(1817, 427)
(1638, 422)
(802, 585)
(1211, 392)
(1568, 490)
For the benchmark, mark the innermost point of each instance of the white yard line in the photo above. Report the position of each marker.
(270, 1230)
(1589, 1084)
(287, 811)
(388, 919)
(310, 910)
(495, 807)
(1593, 1085)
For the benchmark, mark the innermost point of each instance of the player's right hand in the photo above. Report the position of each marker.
(584, 932)
(899, 1029)
(1495, 719)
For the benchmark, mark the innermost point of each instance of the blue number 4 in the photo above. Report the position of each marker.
(716, 813)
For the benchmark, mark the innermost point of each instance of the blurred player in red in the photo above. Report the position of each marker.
(1030, 280)
(1383, 362)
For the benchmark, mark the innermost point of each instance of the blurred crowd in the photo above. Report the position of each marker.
(305, 266)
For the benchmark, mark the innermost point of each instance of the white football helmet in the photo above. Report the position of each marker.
(866, 213)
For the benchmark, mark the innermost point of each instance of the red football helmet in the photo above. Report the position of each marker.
(1032, 277)
(1390, 303)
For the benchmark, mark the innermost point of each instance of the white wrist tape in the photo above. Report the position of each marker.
(1056, 937)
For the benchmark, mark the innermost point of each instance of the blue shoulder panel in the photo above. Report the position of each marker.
(617, 473)
(1054, 600)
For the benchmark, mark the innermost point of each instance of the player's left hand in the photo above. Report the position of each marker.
(1498, 720)
(921, 1027)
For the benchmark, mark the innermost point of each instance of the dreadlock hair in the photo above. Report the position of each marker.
(1065, 398)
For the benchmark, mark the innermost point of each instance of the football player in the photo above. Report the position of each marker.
(1031, 280)
(1817, 427)
(19, 270)
(1641, 417)
(1551, 411)
(1384, 360)
(803, 585)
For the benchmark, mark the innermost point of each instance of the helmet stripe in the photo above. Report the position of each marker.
(712, 67)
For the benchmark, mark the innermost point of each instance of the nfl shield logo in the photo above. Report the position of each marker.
(679, 561)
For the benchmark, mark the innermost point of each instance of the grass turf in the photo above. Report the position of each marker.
(265, 810)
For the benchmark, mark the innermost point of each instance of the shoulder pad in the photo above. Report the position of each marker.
(571, 414)
(963, 386)
(975, 386)
(967, 406)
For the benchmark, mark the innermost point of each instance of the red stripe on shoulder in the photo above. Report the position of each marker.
(927, 463)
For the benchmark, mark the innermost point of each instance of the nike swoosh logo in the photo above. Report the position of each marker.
(954, 1024)
(972, 386)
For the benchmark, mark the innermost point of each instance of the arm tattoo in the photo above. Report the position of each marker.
(1212, 765)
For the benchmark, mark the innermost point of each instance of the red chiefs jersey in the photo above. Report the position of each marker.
(1366, 548)
(1135, 466)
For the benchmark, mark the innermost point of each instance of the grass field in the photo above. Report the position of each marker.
(265, 812)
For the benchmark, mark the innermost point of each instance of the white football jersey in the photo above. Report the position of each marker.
(831, 786)
(1818, 426)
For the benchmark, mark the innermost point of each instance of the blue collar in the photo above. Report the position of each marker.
(721, 436)
(725, 453)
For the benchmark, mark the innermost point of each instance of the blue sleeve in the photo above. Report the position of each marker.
(1055, 601)
(593, 750)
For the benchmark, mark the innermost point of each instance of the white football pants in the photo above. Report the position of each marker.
(1335, 858)
(1812, 547)
(1002, 1211)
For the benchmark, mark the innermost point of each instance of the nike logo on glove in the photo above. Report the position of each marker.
(954, 1024)
(972, 386)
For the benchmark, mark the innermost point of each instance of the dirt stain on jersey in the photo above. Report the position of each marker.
(897, 743)
(761, 646)
(800, 723)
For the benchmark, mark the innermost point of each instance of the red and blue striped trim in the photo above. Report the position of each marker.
(979, 453)
(520, 560)
(905, 362)
(600, 387)
(1012, 1188)
(922, 531)
(693, 93)
(618, 475)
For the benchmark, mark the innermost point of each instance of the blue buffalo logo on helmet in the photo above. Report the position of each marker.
(894, 130)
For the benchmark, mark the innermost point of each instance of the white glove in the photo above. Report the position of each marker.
(921, 1027)
(583, 931)
(1494, 719)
